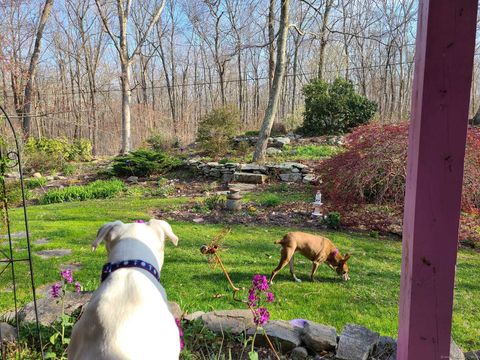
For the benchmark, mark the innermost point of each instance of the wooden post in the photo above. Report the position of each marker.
(440, 103)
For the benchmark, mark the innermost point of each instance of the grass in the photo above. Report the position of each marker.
(369, 299)
(307, 152)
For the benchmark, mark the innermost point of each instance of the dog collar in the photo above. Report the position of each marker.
(108, 268)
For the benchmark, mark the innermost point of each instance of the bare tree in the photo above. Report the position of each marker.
(269, 118)
(27, 99)
(120, 41)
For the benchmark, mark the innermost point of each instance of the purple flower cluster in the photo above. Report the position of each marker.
(258, 293)
(180, 330)
(58, 289)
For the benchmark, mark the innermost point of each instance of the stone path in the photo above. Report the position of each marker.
(47, 254)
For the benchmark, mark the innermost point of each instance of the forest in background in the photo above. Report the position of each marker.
(198, 55)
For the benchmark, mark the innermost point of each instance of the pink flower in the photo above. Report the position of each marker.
(78, 287)
(67, 275)
(270, 297)
(139, 221)
(252, 298)
(55, 290)
(261, 316)
(260, 282)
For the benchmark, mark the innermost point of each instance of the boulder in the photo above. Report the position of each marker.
(386, 349)
(273, 151)
(234, 321)
(133, 179)
(319, 337)
(37, 175)
(253, 167)
(280, 332)
(280, 141)
(175, 309)
(308, 179)
(291, 177)
(193, 316)
(299, 353)
(249, 178)
(356, 343)
(7, 332)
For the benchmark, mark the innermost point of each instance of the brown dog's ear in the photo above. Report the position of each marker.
(346, 257)
(163, 228)
(107, 233)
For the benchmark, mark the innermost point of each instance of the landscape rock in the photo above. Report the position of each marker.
(233, 321)
(18, 235)
(133, 179)
(309, 178)
(291, 177)
(386, 349)
(7, 332)
(249, 178)
(50, 310)
(253, 167)
(37, 175)
(193, 316)
(242, 187)
(280, 141)
(47, 254)
(299, 353)
(273, 151)
(455, 352)
(319, 337)
(281, 332)
(356, 343)
(50, 178)
(175, 309)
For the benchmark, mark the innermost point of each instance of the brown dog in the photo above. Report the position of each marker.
(318, 249)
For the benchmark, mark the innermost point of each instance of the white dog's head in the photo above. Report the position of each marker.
(151, 233)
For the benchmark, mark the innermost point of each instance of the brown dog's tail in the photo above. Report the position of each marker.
(281, 241)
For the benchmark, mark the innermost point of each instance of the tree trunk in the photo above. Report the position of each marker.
(276, 86)
(323, 38)
(126, 99)
(271, 47)
(27, 101)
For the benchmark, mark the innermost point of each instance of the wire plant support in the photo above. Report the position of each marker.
(9, 161)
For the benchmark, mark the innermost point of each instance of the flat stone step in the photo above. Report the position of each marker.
(249, 178)
(47, 254)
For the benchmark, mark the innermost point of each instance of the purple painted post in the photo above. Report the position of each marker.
(440, 102)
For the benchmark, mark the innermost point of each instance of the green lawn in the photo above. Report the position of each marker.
(370, 298)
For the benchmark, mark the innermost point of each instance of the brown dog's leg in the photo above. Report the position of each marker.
(285, 257)
(292, 271)
(314, 270)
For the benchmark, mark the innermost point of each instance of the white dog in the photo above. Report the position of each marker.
(128, 315)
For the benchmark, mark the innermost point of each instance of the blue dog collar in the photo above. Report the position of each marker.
(108, 268)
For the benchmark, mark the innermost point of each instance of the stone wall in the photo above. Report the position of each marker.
(252, 173)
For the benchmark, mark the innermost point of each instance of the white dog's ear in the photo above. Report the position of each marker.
(107, 233)
(163, 228)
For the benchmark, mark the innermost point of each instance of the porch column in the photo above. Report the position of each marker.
(440, 102)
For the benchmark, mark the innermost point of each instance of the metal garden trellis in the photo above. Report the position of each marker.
(10, 159)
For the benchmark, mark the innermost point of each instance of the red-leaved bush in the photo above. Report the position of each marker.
(373, 168)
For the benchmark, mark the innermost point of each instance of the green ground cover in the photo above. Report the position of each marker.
(369, 299)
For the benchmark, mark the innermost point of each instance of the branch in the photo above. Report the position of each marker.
(153, 21)
(105, 26)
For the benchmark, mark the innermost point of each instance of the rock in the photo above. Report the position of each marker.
(7, 332)
(198, 220)
(59, 177)
(18, 235)
(133, 179)
(193, 316)
(472, 355)
(41, 241)
(249, 178)
(309, 178)
(253, 167)
(242, 188)
(50, 178)
(455, 352)
(47, 254)
(227, 178)
(280, 141)
(233, 321)
(319, 337)
(233, 205)
(175, 309)
(50, 310)
(12, 176)
(37, 175)
(386, 349)
(356, 343)
(273, 151)
(291, 177)
(299, 353)
(279, 167)
(280, 332)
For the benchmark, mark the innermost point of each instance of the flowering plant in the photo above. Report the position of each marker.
(58, 291)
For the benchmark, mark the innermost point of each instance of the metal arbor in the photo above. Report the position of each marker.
(10, 159)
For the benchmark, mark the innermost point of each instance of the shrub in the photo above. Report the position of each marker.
(217, 128)
(35, 183)
(159, 143)
(373, 167)
(252, 133)
(270, 200)
(14, 194)
(68, 169)
(332, 220)
(144, 163)
(336, 108)
(215, 202)
(100, 189)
